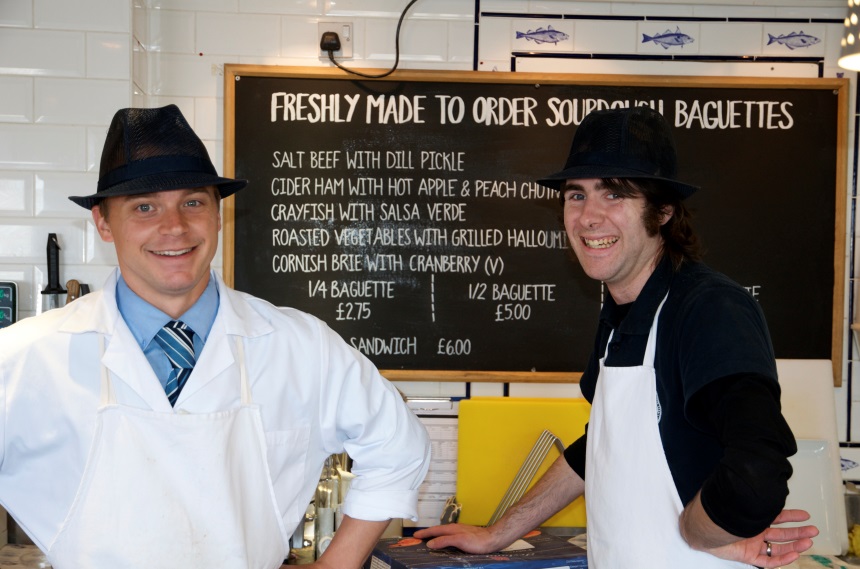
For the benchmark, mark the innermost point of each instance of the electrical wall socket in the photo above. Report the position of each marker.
(344, 30)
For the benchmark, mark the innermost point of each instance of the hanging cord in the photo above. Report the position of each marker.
(396, 51)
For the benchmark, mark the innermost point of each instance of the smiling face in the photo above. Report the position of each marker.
(164, 242)
(608, 235)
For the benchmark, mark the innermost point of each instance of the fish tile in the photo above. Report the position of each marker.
(542, 35)
(668, 38)
(794, 39)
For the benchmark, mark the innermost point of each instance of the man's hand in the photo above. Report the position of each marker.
(471, 539)
(786, 544)
(557, 488)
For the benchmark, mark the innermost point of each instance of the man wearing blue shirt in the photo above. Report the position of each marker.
(170, 421)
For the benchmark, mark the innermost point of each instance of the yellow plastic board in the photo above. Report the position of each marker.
(496, 435)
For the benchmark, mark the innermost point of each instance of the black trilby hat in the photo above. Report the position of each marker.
(153, 150)
(622, 143)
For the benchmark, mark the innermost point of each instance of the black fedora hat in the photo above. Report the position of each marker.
(622, 143)
(153, 150)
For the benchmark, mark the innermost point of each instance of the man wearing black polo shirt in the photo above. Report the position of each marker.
(685, 460)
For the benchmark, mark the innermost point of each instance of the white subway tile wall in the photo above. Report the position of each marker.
(17, 13)
(90, 15)
(77, 101)
(16, 194)
(16, 99)
(65, 67)
(42, 52)
(108, 56)
(605, 36)
(744, 39)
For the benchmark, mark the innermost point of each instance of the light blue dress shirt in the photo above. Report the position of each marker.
(145, 320)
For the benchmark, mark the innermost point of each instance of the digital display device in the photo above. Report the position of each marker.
(8, 303)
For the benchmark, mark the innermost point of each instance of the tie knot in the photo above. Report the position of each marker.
(177, 341)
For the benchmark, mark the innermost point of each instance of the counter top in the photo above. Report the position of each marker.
(22, 557)
(29, 557)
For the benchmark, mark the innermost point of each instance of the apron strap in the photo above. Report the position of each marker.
(651, 345)
(108, 397)
(246, 388)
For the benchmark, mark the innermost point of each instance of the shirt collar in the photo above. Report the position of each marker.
(640, 316)
(144, 320)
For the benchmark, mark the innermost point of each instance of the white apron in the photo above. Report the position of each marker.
(164, 490)
(633, 504)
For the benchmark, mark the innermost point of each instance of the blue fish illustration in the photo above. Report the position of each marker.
(847, 464)
(793, 40)
(541, 35)
(669, 38)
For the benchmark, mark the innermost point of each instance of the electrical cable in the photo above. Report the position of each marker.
(396, 51)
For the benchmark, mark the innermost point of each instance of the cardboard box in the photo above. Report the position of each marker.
(536, 550)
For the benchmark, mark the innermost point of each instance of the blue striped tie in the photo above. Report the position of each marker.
(177, 341)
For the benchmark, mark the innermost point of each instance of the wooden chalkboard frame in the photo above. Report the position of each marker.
(233, 72)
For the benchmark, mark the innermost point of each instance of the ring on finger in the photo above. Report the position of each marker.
(769, 550)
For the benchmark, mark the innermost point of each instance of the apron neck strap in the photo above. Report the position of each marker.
(651, 346)
(108, 397)
(246, 388)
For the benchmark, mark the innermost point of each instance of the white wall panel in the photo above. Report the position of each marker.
(366, 8)
(420, 40)
(494, 40)
(95, 141)
(16, 13)
(653, 11)
(52, 191)
(27, 147)
(16, 193)
(16, 99)
(300, 37)
(93, 15)
(233, 34)
(461, 42)
(730, 38)
(753, 10)
(187, 75)
(568, 8)
(208, 118)
(292, 7)
(109, 56)
(605, 36)
(39, 52)
(78, 101)
(171, 31)
(26, 240)
(196, 5)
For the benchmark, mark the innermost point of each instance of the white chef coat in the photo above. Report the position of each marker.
(318, 397)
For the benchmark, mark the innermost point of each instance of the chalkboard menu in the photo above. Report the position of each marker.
(404, 213)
